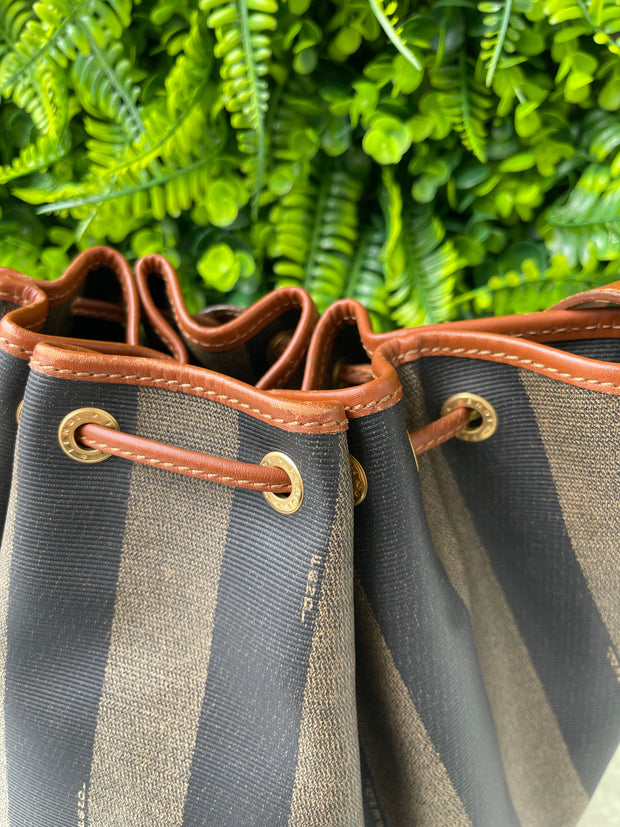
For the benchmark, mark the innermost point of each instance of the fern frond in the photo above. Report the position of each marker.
(386, 12)
(172, 191)
(60, 32)
(244, 47)
(599, 18)
(103, 83)
(366, 281)
(587, 226)
(316, 233)
(465, 100)
(421, 266)
(46, 150)
(503, 24)
(13, 18)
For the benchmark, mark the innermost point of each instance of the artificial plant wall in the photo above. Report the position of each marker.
(432, 159)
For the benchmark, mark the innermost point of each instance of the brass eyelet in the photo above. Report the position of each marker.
(284, 503)
(486, 411)
(18, 412)
(360, 481)
(68, 427)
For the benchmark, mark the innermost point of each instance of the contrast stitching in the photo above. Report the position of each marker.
(575, 329)
(10, 344)
(375, 403)
(501, 355)
(263, 322)
(101, 446)
(442, 438)
(188, 386)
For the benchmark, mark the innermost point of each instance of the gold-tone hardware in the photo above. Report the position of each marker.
(415, 456)
(360, 481)
(18, 412)
(285, 503)
(278, 345)
(483, 417)
(69, 425)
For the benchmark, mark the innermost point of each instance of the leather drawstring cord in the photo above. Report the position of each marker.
(443, 429)
(182, 461)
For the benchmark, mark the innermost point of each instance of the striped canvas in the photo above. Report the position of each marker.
(486, 600)
(160, 663)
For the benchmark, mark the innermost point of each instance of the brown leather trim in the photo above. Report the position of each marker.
(182, 461)
(97, 309)
(303, 413)
(557, 364)
(68, 286)
(439, 431)
(232, 333)
(361, 400)
(21, 290)
(340, 314)
(607, 293)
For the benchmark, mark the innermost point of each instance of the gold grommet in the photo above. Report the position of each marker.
(488, 417)
(360, 481)
(18, 412)
(69, 425)
(284, 503)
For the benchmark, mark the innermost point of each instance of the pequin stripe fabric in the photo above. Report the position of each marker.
(525, 525)
(426, 728)
(174, 651)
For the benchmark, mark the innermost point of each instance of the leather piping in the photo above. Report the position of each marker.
(302, 413)
(182, 461)
(231, 334)
(52, 293)
(556, 364)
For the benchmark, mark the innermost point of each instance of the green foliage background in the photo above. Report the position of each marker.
(433, 159)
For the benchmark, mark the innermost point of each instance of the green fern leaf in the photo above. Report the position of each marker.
(386, 13)
(13, 18)
(503, 26)
(102, 80)
(45, 99)
(366, 281)
(465, 100)
(47, 150)
(244, 47)
(421, 266)
(587, 227)
(62, 29)
(598, 18)
(316, 233)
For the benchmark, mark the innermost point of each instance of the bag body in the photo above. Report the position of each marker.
(174, 650)
(487, 580)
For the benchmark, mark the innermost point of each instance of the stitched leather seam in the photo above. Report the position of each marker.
(264, 321)
(329, 346)
(101, 446)
(15, 347)
(374, 403)
(94, 266)
(401, 358)
(575, 329)
(442, 438)
(188, 386)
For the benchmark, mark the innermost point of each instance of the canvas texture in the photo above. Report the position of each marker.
(158, 666)
(487, 620)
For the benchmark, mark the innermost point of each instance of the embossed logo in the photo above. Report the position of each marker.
(309, 602)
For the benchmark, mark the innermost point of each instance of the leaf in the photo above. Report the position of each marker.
(243, 45)
(503, 25)
(386, 14)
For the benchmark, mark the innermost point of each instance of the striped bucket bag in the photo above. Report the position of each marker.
(487, 559)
